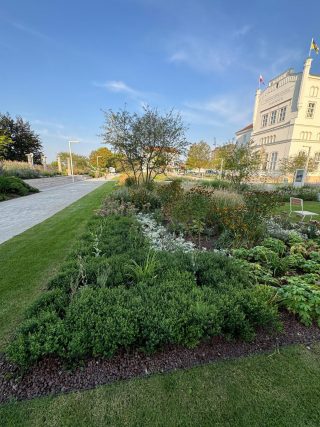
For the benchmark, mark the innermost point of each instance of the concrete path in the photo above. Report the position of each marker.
(17, 215)
(45, 183)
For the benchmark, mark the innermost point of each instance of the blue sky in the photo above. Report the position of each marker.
(64, 61)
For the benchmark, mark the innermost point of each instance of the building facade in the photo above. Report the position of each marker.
(286, 120)
(243, 136)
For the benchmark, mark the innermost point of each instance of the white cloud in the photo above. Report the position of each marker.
(118, 86)
(225, 109)
(201, 54)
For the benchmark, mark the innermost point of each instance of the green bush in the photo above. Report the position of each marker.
(218, 184)
(170, 192)
(301, 298)
(39, 336)
(307, 193)
(220, 272)
(13, 186)
(130, 181)
(247, 309)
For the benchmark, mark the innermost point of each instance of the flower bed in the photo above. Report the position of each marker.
(113, 293)
(130, 284)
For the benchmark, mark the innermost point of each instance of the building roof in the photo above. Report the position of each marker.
(246, 129)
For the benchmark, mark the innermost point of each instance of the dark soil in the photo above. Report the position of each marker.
(50, 376)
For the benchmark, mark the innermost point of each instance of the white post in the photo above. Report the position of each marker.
(71, 163)
(310, 47)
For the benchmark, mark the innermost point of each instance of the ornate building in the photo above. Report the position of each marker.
(286, 119)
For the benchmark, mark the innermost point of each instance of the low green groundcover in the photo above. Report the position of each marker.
(114, 293)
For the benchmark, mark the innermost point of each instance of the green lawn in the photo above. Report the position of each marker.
(307, 206)
(28, 260)
(280, 389)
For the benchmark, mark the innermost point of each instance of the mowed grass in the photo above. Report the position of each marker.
(279, 389)
(307, 206)
(30, 259)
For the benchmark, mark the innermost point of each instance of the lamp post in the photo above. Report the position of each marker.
(98, 157)
(71, 164)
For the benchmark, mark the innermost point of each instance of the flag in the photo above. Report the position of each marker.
(261, 80)
(314, 46)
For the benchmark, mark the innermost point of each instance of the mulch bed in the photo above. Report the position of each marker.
(50, 376)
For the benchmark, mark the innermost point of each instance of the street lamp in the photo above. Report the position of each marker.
(97, 173)
(71, 164)
(98, 157)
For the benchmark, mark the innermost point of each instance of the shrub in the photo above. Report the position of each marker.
(113, 206)
(99, 321)
(13, 186)
(217, 184)
(247, 309)
(306, 193)
(130, 181)
(219, 271)
(39, 336)
(170, 193)
(144, 199)
(301, 298)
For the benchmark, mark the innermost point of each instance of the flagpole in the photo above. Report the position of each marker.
(310, 48)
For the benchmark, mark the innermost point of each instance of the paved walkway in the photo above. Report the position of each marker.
(17, 215)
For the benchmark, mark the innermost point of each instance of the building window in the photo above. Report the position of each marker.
(265, 162)
(306, 136)
(317, 160)
(264, 120)
(282, 114)
(314, 91)
(310, 110)
(273, 161)
(273, 117)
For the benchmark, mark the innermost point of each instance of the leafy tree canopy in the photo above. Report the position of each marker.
(80, 163)
(145, 143)
(291, 164)
(199, 156)
(239, 162)
(21, 139)
(102, 157)
(5, 141)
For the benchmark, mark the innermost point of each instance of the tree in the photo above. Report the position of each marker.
(102, 157)
(80, 163)
(5, 141)
(292, 163)
(199, 156)
(22, 139)
(239, 162)
(147, 143)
